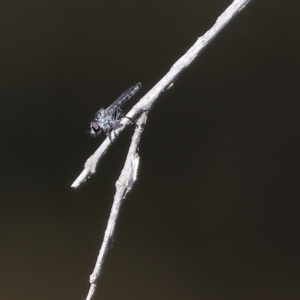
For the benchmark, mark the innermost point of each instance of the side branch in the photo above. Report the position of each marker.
(123, 185)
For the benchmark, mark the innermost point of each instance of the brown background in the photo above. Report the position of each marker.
(215, 212)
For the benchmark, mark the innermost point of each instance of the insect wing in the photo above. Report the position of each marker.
(125, 96)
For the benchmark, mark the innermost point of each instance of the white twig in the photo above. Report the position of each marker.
(129, 172)
(123, 185)
(148, 100)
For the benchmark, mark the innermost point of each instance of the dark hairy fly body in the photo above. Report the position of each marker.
(108, 119)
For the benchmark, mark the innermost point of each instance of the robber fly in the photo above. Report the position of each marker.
(108, 119)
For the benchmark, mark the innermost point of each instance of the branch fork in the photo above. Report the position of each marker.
(129, 173)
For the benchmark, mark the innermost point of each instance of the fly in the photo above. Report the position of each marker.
(108, 119)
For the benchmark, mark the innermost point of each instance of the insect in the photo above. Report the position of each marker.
(108, 119)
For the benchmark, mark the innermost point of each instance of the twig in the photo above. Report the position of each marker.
(123, 185)
(148, 100)
(128, 174)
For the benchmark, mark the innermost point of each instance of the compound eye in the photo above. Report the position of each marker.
(94, 127)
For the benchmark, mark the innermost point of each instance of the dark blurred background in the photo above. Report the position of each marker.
(215, 212)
